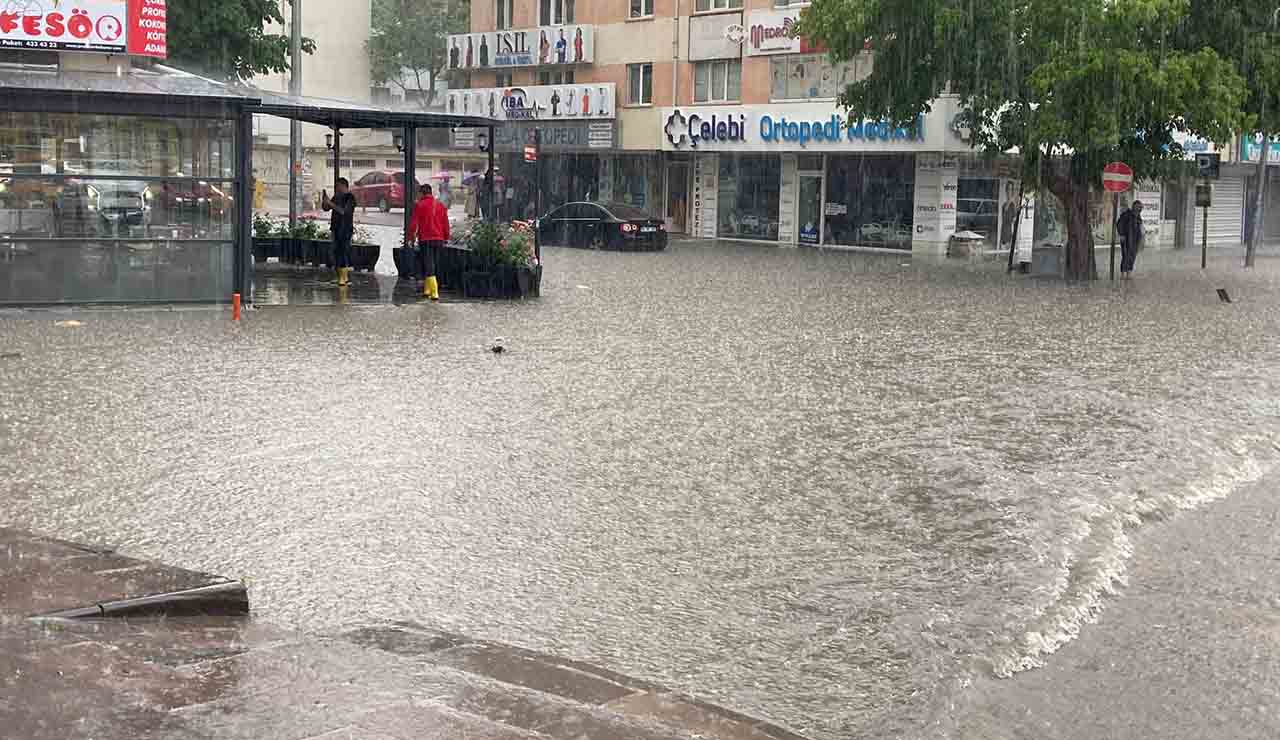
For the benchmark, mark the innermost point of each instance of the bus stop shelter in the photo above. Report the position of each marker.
(136, 186)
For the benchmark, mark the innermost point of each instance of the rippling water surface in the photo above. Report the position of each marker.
(819, 488)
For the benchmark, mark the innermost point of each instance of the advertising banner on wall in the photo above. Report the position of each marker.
(530, 47)
(557, 136)
(106, 26)
(797, 127)
(537, 102)
(773, 32)
(716, 36)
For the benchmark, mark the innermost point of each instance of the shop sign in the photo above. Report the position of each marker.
(773, 32)
(556, 137)
(715, 36)
(755, 129)
(113, 26)
(530, 47)
(539, 102)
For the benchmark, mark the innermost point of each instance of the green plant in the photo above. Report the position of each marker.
(485, 242)
(306, 229)
(281, 230)
(516, 246)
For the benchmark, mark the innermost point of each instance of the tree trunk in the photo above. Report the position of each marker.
(1259, 194)
(1074, 196)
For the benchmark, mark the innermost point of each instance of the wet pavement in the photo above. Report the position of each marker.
(187, 670)
(825, 489)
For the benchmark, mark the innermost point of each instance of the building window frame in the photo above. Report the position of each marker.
(502, 14)
(556, 77)
(556, 12)
(729, 85)
(640, 10)
(503, 79)
(640, 84)
(716, 6)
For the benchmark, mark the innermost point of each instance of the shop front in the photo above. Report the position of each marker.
(802, 174)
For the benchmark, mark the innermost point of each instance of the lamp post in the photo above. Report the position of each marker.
(295, 128)
(1255, 231)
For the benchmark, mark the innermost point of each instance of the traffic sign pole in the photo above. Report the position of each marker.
(1115, 207)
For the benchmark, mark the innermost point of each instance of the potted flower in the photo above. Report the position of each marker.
(266, 240)
(364, 249)
(520, 273)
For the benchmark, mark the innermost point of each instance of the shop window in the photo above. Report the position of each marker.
(978, 207)
(636, 182)
(749, 191)
(870, 201)
(641, 8)
(555, 12)
(555, 77)
(503, 14)
(807, 76)
(706, 5)
(640, 84)
(717, 81)
(809, 162)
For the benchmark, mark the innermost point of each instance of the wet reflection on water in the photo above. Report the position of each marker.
(820, 488)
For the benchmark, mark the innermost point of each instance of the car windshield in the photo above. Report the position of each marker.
(626, 212)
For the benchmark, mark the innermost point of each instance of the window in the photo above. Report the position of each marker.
(452, 165)
(345, 163)
(363, 164)
(504, 14)
(558, 77)
(749, 196)
(641, 8)
(392, 164)
(705, 5)
(555, 12)
(640, 84)
(871, 198)
(788, 3)
(502, 79)
(805, 76)
(717, 81)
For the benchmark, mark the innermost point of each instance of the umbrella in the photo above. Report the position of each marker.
(442, 175)
(473, 176)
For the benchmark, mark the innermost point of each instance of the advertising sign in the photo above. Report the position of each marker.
(530, 47)
(104, 26)
(557, 136)
(794, 127)
(773, 32)
(715, 36)
(536, 102)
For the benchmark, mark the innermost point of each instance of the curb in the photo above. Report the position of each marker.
(219, 600)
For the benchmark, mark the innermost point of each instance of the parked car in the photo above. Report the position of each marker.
(602, 226)
(383, 189)
(977, 214)
(122, 206)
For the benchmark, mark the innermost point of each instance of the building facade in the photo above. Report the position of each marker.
(720, 120)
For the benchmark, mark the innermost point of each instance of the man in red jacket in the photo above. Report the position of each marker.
(429, 228)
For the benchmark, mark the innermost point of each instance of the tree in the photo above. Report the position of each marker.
(227, 39)
(1068, 84)
(408, 44)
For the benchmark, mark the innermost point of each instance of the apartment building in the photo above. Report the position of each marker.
(714, 115)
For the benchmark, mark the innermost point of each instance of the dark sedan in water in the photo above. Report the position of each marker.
(603, 226)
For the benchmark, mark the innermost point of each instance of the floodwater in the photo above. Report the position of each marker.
(826, 489)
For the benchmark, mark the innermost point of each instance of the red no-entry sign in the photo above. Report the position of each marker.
(1117, 177)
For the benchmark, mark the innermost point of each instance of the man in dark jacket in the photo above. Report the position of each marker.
(341, 226)
(1129, 230)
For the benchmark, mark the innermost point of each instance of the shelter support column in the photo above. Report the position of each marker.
(410, 173)
(242, 262)
(492, 179)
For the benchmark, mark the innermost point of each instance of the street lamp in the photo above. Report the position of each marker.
(482, 140)
(328, 142)
(398, 140)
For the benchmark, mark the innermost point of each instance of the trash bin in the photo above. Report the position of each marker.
(1046, 259)
(965, 244)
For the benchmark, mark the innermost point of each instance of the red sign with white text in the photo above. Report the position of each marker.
(148, 28)
(104, 26)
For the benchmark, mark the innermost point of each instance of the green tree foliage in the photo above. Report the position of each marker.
(227, 39)
(1069, 84)
(408, 44)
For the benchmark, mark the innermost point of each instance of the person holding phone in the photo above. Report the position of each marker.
(341, 227)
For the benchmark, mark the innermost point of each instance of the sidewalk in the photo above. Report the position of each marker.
(216, 673)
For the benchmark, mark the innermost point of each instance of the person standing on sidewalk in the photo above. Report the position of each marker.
(429, 228)
(342, 226)
(1129, 229)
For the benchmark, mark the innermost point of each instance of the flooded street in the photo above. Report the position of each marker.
(826, 489)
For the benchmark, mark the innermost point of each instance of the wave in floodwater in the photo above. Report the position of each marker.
(823, 489)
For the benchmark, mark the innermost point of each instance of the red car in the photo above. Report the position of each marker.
(383, 189)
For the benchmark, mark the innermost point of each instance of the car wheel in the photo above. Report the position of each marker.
(383, 205)
(597, 239)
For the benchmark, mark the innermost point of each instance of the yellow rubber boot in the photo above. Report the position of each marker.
(343, 273)
(426, 288)
(433, 288)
